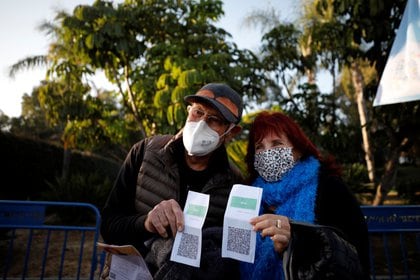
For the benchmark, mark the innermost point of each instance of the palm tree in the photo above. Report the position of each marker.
(333, 42)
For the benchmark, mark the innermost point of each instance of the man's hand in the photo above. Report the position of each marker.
(166, 214)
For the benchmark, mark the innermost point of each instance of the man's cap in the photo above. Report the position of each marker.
(227, 101)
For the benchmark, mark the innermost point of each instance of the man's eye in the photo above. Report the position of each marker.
(198, 113)
(215, 120)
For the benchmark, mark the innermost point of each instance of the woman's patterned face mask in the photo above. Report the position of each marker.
(273, 163)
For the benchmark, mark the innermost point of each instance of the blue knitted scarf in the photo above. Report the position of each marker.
(295, 197)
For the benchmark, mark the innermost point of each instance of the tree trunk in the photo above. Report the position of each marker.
(132, 102)
(306, 51)
(387, 181)
(357, 80)
(390, 174)
(66, 162)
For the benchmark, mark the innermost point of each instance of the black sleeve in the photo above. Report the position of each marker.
(121, 225)
(338, 207)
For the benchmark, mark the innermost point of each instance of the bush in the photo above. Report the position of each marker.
(88, 188)
(356, 177)
(34, 167)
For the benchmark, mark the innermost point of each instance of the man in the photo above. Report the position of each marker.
(150, 191)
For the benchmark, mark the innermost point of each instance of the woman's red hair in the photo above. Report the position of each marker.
(266, 123)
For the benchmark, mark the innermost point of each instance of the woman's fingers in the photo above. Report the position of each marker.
(276, 227)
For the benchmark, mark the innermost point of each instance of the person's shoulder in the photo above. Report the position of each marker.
(326, 177)
(157, 142)
(236, 173)
(159, 138)
(333, 189)
(331, 183)
(151, 142)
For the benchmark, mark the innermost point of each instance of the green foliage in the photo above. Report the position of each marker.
(322, 118)
(408, 182)
(356, 177)
(154, 48)
(189, 78)
(175, 85)
(83, 187)
(28, 165)
(280, 48)
(237, 151)
(162, 97)
(4, 121)
(90, 187)
(55, 112)
(397, 127)
(154, 52)
(157, 52)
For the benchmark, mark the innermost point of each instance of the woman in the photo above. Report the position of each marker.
(299, 184)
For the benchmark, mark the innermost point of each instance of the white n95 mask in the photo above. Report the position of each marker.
(199, 139)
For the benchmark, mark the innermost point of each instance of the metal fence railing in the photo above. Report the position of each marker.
(394, 236)
(48, 240)
(57, 240)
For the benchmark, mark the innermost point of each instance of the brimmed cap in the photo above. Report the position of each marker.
(227, 101)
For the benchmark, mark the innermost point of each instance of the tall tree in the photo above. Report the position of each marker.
(132, 40)
(323, 25)
(154, 52)
(290, 53)
(371, 27)
(353, 36)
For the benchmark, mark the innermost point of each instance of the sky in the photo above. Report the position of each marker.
(21, 38)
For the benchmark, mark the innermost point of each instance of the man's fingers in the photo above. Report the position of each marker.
(160, 222)
(179, 217)
(167, 214)
(175, 216)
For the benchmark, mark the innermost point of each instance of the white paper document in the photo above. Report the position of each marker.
(126, 263)
(187, 244)
(128, 267)
(238, 237)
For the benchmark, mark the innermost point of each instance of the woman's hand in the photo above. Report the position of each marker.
(276, 227)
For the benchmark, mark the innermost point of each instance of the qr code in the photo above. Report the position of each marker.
(239, 240)
(188, 246)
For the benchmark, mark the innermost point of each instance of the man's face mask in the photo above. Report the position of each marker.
(199, 139)
(273, 163)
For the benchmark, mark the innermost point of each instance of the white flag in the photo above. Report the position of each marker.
(400, 81)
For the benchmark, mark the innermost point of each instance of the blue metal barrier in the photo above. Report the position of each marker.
(35, 244)
(394, 236)
(394, 233)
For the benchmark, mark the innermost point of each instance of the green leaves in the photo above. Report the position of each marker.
(153, 52)
(189, 78)
(162, 97)
(237, 151)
